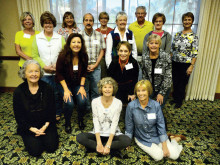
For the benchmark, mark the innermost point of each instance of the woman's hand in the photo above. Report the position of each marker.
(106, 150)
(189, 70)
(160, 99)
(67, 95)
(82, 92)
(131, 97)
(91, 68)
(100, 148)
(166, 152)
(49, 69)
(38, 132)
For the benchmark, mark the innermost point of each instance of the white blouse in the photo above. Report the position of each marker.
(105, 120)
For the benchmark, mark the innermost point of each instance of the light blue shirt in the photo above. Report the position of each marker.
(147, 125)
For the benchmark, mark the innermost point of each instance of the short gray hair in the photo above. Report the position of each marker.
(24, 15)
(141, 7)
(121, 13)
(108, 80)
(21, 72)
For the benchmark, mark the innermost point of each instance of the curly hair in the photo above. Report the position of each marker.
(107, 80)
(67, 51)
(66, 14)
(154, 37)
(47, 16)
(144, 83)
(21, 72)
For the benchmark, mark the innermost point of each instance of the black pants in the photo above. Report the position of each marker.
(180, 80)
(36, 145)
(89, 141)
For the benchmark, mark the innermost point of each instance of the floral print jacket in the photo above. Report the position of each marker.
(184, 47)
(163, 80)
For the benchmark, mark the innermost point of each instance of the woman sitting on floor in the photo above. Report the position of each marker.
(106, 138)
(144, 119)
(34, 109)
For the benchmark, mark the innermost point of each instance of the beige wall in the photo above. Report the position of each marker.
(9, 25)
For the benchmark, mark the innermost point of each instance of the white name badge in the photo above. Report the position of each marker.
(128, 66)
(104, 35)
(158, 71)
(151, 116)
(130, 41)
(26, 35)
(75, 67)
(95, 42)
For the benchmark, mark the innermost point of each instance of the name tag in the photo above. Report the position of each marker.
(26, 35)
(151, 116)
(130, 41)
(95, 42)
(104, 35)
(128, 66)
(75, 67)
(158, 71)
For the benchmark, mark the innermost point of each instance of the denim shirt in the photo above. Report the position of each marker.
(147, 125)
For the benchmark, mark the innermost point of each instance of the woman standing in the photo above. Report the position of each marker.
(106, 138)
(144, 120)
(184, 54)
(157, 69)
(34, 104)
(24, 38)
(68, 26)
(71, 69)
(124, 69)
(120, 33)
(159, 20)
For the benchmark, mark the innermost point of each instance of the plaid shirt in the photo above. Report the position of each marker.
(65, 33)
(94, 44)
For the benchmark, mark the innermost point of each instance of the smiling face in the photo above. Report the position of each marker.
(48, 26)
(107, 90)
(154, 46)
(76, 44)
(140, 14)
(69, 21)
(142, 93)
(158, 24)
(28, 22)
(124, 53)
(32, 73)
(88, 22)
(103, 20)
(121, 22)
(187, 22)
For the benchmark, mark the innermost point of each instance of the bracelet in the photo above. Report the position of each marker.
(108, 146)
(82, 85)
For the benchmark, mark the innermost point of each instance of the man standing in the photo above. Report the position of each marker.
(140, 28)
(95, 45)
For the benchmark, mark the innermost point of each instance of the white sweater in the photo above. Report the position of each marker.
(105, 120)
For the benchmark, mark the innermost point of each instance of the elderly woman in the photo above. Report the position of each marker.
(106, 137)
(71, 69)
(184, 54)
(68, 26)
(105, 30)
(144, 120)
(159, 20)
(34, 109)
(120, 33)
(24, 38)
(45, 49)
(157, 69)
(124, 69)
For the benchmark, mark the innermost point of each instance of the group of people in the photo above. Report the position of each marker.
(103, 70)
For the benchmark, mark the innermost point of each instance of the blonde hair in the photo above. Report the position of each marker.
(154, 37)
(24, 15)
(144, 83)
(107, 80)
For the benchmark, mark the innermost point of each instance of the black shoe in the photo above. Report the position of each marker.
(116, 153)
(68, 129)
(172, 102)
(81, 125)
(177, 105)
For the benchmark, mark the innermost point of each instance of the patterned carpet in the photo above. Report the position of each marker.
(198, 120)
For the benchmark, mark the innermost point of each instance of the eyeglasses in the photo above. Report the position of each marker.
(158, 22)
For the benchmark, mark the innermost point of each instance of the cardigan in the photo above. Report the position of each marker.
(33, 110)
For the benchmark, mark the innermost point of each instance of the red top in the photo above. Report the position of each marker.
(105, 32)
(158, 33)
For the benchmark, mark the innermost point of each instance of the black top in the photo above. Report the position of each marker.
(127, 78)
(153, 67)
(33, 110)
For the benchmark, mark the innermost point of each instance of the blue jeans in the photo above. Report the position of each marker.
(92, 80)
(58, 98)
(69, 105)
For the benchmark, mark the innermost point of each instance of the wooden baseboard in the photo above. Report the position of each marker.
(217, 95)
(7, 89)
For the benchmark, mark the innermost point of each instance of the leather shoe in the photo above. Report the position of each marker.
(177, 105)
(172, 102)
(116, 153)
(81, 125)
(68, 129)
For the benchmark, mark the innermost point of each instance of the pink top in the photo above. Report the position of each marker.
(158, 33)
